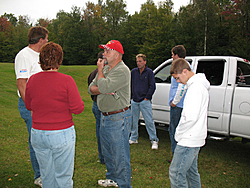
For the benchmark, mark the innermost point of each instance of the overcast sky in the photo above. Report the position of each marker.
(49, 8)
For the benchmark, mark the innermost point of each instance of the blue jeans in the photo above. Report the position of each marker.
(146, 108)
(55, 151)
(183, 171)
(175, 115)
(26, 115)
(97, 113)
(114, 134)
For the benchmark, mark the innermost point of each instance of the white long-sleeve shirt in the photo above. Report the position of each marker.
(180, 92)
(192, 128)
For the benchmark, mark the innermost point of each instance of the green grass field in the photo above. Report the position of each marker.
(221, 163)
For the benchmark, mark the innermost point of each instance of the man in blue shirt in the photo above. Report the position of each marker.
(142, 89)
(176, 97)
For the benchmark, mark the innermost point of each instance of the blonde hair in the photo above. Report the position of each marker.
(142, 56)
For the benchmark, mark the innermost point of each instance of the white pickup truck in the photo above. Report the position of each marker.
(229, 106)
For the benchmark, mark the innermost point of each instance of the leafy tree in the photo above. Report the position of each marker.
(6, 38)
(156, 32)
(5, 25)
(58, 29)
(149, 32)
(74, 49)
(22, 29)
(204, 27)
(43, 22)
(93, 24)
(13, 36)
(196, 25)
(163, 41)
(114, 14)
(11, 18)
(236, 16)
(188, 29)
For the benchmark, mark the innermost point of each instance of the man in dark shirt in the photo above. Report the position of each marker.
(96, 111)
(142, 88)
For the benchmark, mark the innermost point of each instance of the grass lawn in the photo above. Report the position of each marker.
(221, 163)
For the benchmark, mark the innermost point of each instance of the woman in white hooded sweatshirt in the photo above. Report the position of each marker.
(191, 131)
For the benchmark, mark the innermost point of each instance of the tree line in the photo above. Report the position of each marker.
(204, 27)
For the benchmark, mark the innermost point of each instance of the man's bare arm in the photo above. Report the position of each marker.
(21, 85)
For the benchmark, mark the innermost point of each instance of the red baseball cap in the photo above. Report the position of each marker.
(113, 45)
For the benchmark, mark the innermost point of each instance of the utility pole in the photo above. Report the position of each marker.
(205, 35)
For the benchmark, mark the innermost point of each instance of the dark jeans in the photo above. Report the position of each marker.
(175, 115)
(97, 114)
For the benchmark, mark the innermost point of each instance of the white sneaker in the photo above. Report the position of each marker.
(133, 142)
(107, 183)
(155, 145)
(38, 182)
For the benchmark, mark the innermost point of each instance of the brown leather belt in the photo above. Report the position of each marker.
(114, 112)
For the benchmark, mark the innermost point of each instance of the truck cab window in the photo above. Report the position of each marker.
(243, 74)
(163, 75)
(213, 69)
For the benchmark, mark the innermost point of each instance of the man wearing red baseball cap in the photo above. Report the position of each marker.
(112, 85)
(113, 45)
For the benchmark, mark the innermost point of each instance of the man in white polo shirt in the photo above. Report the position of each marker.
(27, 64)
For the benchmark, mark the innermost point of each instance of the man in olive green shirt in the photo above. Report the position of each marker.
(112, 85)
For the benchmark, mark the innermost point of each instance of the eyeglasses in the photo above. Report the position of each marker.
(177, 78)
(107, 50)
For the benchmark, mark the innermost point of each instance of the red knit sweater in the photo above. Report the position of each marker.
(53, 97)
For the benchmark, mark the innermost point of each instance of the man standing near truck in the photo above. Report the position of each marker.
(191, 131)
(176, 98)
(142, 89)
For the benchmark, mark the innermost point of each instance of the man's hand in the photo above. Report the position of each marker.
(94, 90)
(172, 104)
(113, 93)
(100, 65)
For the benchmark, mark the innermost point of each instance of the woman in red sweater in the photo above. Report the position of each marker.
(53, 97)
